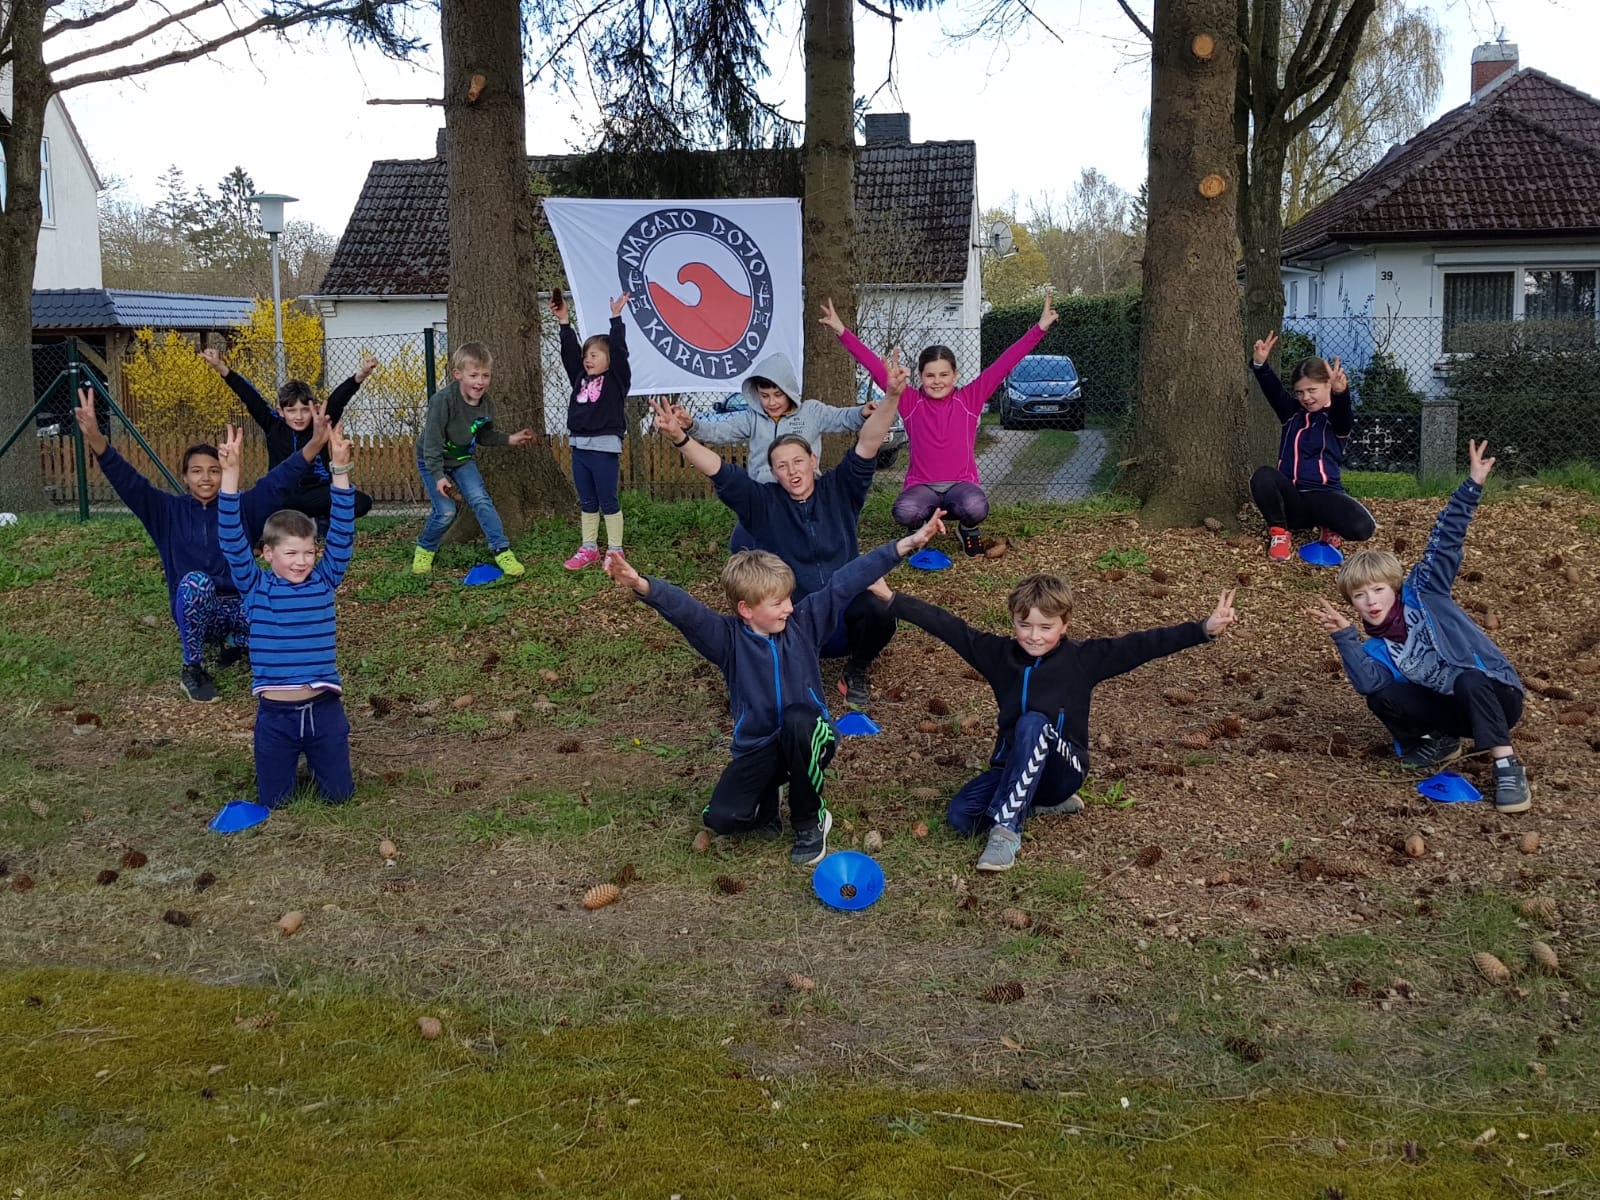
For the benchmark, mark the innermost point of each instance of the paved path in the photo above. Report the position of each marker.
(1075, 479)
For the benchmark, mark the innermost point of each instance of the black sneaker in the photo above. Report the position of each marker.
(1433, 750)
(972, 542)
(229, 656)
(855, 688)
(811, 844)
(773, 829)
(197, 685)
(1511, 791)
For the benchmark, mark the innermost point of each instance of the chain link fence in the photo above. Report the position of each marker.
(1053, 429)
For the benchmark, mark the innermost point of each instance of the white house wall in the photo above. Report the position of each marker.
(69, 243)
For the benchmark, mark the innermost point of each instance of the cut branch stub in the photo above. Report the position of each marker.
(475, 88)
(1203, 46)
(1213, 186)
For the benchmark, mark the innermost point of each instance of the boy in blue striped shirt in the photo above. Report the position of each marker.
(289, 605)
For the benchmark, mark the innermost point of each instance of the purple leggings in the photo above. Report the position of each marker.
(204, 616)
(963, 501)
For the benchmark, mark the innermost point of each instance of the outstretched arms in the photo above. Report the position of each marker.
(1271, 386)
(1436, 569)
(877, 426)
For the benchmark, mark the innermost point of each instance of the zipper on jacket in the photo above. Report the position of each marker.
(1025, 675)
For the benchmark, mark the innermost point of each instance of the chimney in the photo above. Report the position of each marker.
(888, 128)
(438, 146)
(1489, 62)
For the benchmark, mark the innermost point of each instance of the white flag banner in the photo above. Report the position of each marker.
(715, 284)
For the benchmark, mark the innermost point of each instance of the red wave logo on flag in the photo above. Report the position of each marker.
(702, 290)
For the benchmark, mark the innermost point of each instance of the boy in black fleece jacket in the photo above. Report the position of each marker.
(767, 653)
(1043, 685)
(596, 420)
(289, 429)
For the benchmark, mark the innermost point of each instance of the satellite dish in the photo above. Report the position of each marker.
(1000, 239)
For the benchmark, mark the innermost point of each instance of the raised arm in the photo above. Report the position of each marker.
(617, 337)
(260, 411)
(701, 458)
(976, 394)
(230, 528)
(571, 354)
(709, 633)
(876, 427)
(341, 538)
(144, 501)
(976, 648)
(1341, 400)
(339, 399)
(863, 355)
(1267, 379)
(1104, 658)
(1436, 569)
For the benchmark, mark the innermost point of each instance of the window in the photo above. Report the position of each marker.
(47, 197)
(1557, 295)
(1313, 297)
(1472, 298)
(1294, 299)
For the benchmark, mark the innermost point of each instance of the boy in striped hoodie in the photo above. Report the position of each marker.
(289, 605)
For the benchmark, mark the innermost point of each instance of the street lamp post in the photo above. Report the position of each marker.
(270, 207)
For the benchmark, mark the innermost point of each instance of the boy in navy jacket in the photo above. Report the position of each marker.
(1428, 672)
(1043, 684)
(205, 605)
(767, 653)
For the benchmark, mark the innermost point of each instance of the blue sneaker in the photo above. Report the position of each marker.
(1001, 852)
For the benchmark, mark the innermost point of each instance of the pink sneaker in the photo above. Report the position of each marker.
(586, 556)
(616, 554)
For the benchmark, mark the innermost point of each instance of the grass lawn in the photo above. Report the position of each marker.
(1223, 978)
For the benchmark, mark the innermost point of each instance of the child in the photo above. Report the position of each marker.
(1304, 489)
(941, 423)
(290, 426)
(460, 417)
(1043, 685)
(767, 653)
(200, 591)
(289, 605)
(1428, 672)
(596, 418)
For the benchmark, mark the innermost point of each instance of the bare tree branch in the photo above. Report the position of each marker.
(423, 100)
(67, 24)
(123, 43)
(880, 12)
(1134, 17)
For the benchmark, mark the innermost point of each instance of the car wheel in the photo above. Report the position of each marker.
(886, 458)
(1008, 420)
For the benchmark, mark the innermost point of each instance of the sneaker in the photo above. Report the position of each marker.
(421, 561)
(972, 543)
(197, 685)
(772, 829)
(508, 563)
(586, 556)
(229, 655)
(855, 688)
(1432, 750)
(1511, 791)
(811, 844)
(1064, 808)
(1279, 543)
(616, 553)
(1331, 539)
(1001, 852)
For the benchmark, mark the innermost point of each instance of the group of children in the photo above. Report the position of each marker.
(1429, 674)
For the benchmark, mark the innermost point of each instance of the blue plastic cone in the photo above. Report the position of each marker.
(1449, 788)
(857, 724)
(929, 560)
(848, 880)
(1320, 554)
(482, 573)
(237, 815)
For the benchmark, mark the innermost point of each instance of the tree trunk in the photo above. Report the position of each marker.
(1190, 424)
(21, 477)
(494, 290)
(828, 210)
(1261, 235)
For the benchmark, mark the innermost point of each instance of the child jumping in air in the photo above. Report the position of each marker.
(1304, 490)
(460, 418)
(767, 652)
(941, 423)
(1043, 684)
(596, 419)
(289, 605)
(1428, 672)
(289, 429)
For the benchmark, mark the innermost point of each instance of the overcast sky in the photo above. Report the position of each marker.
(1041, 109)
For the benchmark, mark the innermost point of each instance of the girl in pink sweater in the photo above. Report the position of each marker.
(941, 422)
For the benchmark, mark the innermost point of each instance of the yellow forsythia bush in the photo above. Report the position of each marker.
(394, 399)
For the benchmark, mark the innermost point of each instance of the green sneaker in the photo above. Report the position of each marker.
(508, 563)
(421, 561)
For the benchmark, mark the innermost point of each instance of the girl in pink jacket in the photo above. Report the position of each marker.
(941, 423)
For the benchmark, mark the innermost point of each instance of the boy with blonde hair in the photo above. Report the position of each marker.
(767, 653)
(1426, 669)
(1043, 684)
(460, 419)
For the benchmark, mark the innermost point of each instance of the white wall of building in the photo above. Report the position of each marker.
(69, 237)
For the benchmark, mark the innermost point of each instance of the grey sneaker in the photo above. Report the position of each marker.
(1064, 808)
(197, 685)
(811, 844)
(1511, 791)
(1433, 750)
(1001, 852)
(856, 688)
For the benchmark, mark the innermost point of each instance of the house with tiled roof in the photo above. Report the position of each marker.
(917, 208)
(1490, 214)
(69, 191)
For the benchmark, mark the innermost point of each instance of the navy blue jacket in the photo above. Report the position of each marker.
(1312, 445)
(282, 441)
(1059, 684)
(185, 531)
(815, 536)
(598, 407)
(765, 675)
(1426, 596)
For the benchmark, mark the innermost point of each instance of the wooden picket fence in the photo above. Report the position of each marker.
(386, 467)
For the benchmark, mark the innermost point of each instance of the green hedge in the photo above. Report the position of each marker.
(1099, 333)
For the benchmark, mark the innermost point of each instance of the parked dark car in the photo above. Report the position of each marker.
(1042, 391)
